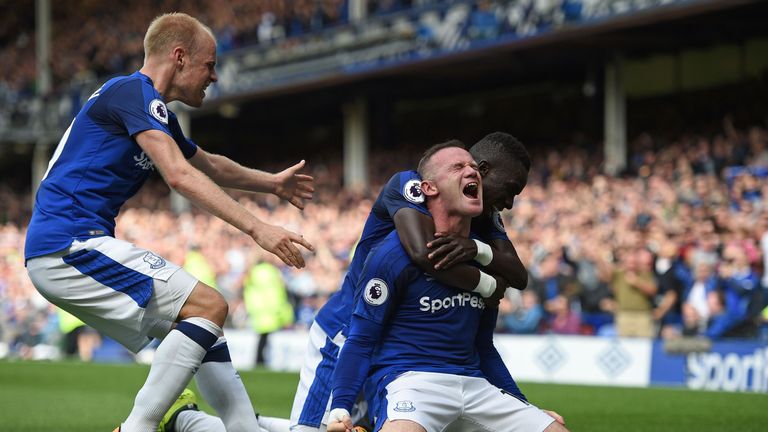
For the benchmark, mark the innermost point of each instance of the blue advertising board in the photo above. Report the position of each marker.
(731, 366)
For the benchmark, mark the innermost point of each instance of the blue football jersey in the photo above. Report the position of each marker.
(427, 326)
(402, 190)
(489, 227)
(98, 165)
(411, 322)
(404, 320)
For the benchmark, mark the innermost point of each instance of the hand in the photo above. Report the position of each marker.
(339, 420)
(558, 418)
(449, 249)
(293, 187)
(280, 242)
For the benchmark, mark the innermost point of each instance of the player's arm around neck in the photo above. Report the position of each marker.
(415, 230)
(507, 263)
(198, 188)
(500, 256)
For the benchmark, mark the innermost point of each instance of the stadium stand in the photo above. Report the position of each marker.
(692, 196)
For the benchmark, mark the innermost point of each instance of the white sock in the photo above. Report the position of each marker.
(174, 364)
(274, 424)
(198, 421)
(221, 386)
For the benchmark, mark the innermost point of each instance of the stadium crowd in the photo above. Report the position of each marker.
(85, 51)
(674, 246)
(83, 46)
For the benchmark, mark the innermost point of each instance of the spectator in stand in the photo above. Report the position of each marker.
(701, 300)
(483, 24)
(558, 290)
(634, 287)
(668, 313)
(520, 312)
(563, 319)
(269, 29)
(597, 305)
(742, 297)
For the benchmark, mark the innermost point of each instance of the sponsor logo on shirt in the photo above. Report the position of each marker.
(404, 406)
(412, 191)
(376, 292)
(154, 261)
(144, 162)
(158, 110)
(466, 299)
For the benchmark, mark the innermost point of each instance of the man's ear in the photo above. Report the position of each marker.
(179, 56)
(483, 167)
(428, 188)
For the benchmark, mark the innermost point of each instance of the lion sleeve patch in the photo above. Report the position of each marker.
(412, 191)
(376, 292)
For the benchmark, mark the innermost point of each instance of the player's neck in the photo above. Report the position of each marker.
(161, 76)
(447, 222)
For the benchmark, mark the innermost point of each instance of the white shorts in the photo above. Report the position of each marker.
(444, 402)
(128, 293)
(312, 402)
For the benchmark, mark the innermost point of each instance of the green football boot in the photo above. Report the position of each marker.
(186, 401)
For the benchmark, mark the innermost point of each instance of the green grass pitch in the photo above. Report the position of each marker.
(71, 396)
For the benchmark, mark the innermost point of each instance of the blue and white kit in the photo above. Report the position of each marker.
(428, 351)
(329, 330)
(126, 292)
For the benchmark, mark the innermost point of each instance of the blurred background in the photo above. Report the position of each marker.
(644, 225)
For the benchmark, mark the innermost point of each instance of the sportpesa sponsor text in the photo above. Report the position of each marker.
(459, 300)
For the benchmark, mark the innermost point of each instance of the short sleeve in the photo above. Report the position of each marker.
(403, 190)
(187, 146)
(135, 108)
(380, 282)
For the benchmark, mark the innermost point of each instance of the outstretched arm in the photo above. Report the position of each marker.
(287, 184)
(198, 188)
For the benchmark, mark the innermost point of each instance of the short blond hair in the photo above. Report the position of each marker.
(172, 29)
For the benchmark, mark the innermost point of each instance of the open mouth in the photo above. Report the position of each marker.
(471, 190)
